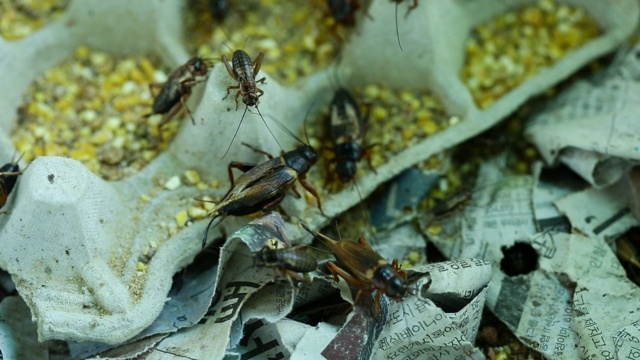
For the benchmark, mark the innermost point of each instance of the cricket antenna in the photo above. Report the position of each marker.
(338, 230)
(236, 133)
(224, 43)
(304, 125)
(227, 35)
(268, 128)
(20, 158)
(304, 122)
(336, 71)
(397, 32)
(304, 226)
(284, 128)
(366, 213)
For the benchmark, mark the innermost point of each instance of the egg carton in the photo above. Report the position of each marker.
(72, 240)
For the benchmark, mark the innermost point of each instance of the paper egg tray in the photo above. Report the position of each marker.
(72, 240)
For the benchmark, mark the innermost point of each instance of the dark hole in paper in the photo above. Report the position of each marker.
(519, 259)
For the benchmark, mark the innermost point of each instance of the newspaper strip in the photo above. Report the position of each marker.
(591, 126)
(309, 346)
(258, 330)
(192, 300)
(404, 192)
(551, 185)
(357, 337)
(269, 340)
(546, 307)
(603, 169)
(601, 213)
(587, 273)
(415, 327)
(443, 321)
(131, 350)
(627, 341)
(596, 213)
(18, 335)
(260, 338)
(240, 289)
(461, 282)
(499, 209)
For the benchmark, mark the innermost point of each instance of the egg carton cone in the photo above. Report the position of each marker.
(72, 242)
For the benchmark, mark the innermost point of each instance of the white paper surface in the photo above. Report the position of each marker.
(592, 125)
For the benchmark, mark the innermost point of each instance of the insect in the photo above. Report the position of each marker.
(176, 90)
(343, 11)
(413, 6)
(8, 177)
(291, 261)
(347, 131)
(348, 127)
(244, 71)
(263, 186)
(362, 267)
(219, 9)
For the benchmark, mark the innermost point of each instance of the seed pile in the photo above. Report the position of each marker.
(91, 109)
(398, 120)
(305, 41)
(19, 18)
(516, 45)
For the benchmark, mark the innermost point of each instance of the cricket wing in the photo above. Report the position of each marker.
(254, 176)
(274, 183)
(327, 241)
(169, 96)
(262, 194)
(358, 260)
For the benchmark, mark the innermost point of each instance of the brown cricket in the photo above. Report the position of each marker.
(175, 92)
(363, 268)
(348, 127)
(244, 71)
(263, 186)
